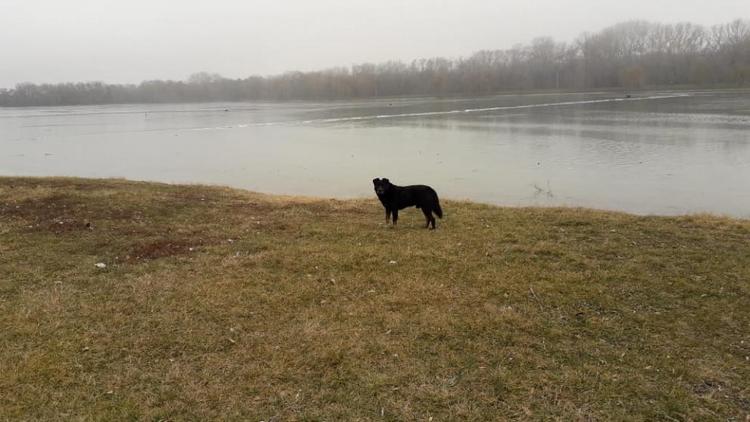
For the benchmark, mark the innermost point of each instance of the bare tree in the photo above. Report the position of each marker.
(633, 54)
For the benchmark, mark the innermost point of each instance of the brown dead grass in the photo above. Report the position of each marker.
(223, 304)
(162, 248)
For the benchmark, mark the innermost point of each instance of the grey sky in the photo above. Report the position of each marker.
(133, 40)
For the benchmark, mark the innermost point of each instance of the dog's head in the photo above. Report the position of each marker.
(382, 186)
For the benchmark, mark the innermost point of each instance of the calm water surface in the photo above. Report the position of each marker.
(654, 153)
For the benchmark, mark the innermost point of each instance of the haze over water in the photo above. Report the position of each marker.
(654, 153)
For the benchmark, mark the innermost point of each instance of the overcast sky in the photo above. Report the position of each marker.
(132, 40)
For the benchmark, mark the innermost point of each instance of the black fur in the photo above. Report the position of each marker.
(396, 198)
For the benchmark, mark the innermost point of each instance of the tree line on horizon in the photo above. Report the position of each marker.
(630, 55)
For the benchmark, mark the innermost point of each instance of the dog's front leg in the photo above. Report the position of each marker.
(387, 216)
(395, 217)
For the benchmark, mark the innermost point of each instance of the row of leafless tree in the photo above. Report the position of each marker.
(630, 55)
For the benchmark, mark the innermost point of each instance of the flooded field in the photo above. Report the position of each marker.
(651, 152)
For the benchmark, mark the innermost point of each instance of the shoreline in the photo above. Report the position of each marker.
(313, 198)
(456, 97)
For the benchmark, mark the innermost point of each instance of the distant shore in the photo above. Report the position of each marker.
(613, 90)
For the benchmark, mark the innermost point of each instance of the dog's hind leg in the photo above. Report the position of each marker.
(428, 218)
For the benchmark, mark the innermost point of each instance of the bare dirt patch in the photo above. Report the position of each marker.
(161, 248)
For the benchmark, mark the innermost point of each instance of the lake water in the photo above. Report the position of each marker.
(653, 153)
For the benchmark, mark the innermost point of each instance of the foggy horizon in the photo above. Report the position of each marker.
(112, 42)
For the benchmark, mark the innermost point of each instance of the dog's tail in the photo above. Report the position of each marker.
(438, 210)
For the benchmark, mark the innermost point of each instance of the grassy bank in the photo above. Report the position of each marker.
(219, 303)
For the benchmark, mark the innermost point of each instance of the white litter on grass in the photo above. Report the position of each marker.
(392, 262)
(100, 265)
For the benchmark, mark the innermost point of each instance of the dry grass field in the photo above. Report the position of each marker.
(214, 303)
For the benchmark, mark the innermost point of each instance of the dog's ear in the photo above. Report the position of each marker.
(386, 180)
(375, 181)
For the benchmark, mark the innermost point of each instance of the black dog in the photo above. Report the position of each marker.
(396, 198)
